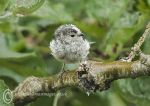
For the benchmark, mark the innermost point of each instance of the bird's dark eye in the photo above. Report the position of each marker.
(72, 35)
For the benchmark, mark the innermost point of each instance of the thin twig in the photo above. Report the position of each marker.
(57, 96)
(136, 48)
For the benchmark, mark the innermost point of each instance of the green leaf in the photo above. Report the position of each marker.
(135, 91)
(5, 72)
(148, 2)
(102, 10)
(24, 64)
(26, 7)
(5, 27)
(6, 53)
(3, 88)
(26, 67)
(53, 14)
(143, 7)
(3, 5)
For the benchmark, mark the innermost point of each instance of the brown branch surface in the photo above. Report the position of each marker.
(90, 76)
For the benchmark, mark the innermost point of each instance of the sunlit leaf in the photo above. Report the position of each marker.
(25, 7)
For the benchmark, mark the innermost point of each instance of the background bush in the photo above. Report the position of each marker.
(27, 26)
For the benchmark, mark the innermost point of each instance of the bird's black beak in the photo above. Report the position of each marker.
(81, 34)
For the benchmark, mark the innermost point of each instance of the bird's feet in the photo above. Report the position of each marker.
(61, 74)
(62, 71)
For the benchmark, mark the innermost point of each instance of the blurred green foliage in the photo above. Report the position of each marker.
(26, 27)
(3, 87)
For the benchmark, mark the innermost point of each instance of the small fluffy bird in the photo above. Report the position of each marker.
(69, 45)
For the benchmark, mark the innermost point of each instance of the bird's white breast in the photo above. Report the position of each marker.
(70, 52)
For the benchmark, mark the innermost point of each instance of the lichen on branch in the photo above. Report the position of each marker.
(90, 76)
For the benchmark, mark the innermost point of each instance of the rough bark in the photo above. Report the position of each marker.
(90, 76)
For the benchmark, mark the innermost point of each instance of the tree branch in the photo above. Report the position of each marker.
(90, 77)
(136, 48)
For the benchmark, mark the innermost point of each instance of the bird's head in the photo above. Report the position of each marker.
(68, 33)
